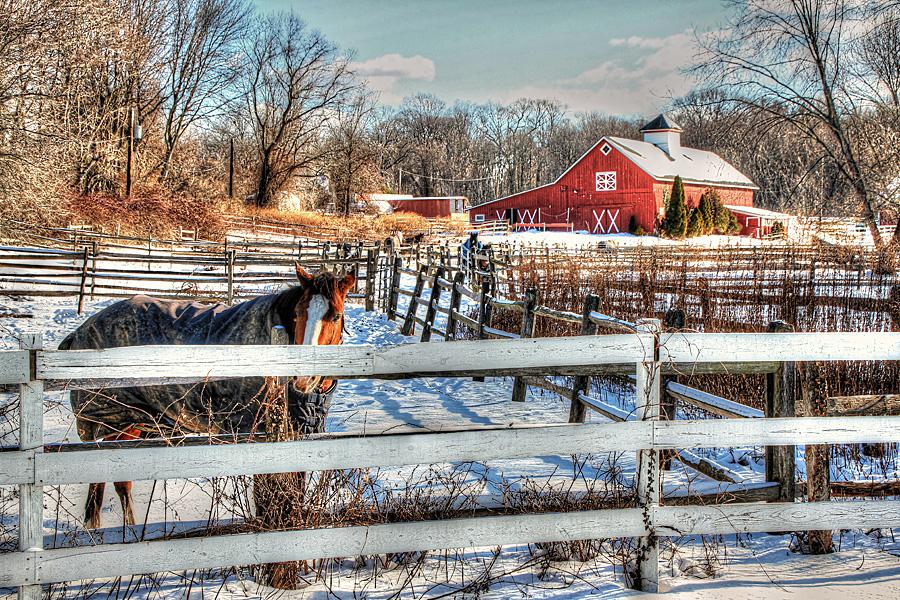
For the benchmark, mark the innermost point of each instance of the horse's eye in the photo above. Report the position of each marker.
(337, 317)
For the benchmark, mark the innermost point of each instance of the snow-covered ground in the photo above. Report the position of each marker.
(761, 566)
(582, 239)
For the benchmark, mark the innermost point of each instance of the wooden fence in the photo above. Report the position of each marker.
(645, 353)
(435, 294)
(238, 271)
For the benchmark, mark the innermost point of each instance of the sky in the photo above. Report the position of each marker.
(623, 58)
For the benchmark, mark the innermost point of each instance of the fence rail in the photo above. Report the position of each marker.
(31, 468)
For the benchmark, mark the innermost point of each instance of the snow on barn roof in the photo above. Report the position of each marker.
(694, 166)
(755, 211)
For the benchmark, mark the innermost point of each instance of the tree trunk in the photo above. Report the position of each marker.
(263, 188)
(167, 163)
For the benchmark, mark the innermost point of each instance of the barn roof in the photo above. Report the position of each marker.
(661, 122)
(694, 166)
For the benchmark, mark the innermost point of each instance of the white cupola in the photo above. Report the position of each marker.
(664, 133)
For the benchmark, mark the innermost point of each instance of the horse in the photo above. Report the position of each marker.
(474, 253)
(312, 313)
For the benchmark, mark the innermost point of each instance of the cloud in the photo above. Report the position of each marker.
(641, 80)
(637, 41)
(384, 73)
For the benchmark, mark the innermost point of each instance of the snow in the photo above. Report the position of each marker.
(760, 566)
(694, 166)
(585, 239)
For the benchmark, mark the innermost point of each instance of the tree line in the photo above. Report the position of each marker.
(801, 95)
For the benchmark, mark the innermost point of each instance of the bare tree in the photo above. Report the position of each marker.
(353, 154)
(880, 54)
(202, 40)
(790, 59)
(294, 81)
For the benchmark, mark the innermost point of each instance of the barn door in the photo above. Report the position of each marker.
(604, 220)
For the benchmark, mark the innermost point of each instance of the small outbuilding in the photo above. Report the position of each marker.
(432, 207)
(621, 182)
(759, 222)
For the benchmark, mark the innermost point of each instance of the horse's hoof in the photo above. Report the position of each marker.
(92, 522)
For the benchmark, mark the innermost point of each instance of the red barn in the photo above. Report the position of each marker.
(618, 179)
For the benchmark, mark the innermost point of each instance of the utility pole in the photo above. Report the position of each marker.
(130, 164)
(231, 170)
(399, 180)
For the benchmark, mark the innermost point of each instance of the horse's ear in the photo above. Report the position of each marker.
(346, 283)
(302, 275)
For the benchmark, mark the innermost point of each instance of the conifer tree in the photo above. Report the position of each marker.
(695, 224)
(676, 219)
(721, 216)
(707, 211)
(734, 226)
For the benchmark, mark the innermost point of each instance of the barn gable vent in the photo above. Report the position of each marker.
(606, 149)
(664, 133)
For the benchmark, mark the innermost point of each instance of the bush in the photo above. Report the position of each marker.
(675, 222)
(778, 229)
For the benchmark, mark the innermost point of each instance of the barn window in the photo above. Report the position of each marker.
(606, 181)
(479, 218)
(606, 149)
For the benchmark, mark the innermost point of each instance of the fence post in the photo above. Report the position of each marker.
(455, 302)
(647, 395)
(431, 309)
(582, 382)
(780, 402)
(31, 440)
(814, 386)
(229, 273)
(409, 323)
(394, 291)
(519, 387)
(95, 250)
(370, 279)
(484, 313)
(81, 288)
(674, 320)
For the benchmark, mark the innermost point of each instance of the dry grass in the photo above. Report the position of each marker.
(158, 213)
(352, 228)
(814, 289)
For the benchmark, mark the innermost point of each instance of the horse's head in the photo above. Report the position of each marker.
(319, 317)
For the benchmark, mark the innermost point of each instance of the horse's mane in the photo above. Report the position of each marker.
(323, 283)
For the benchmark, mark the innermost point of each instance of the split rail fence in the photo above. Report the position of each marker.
(467, 313)
(645, 354)
(239, 270)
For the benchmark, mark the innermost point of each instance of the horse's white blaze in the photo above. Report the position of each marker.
(315, 314)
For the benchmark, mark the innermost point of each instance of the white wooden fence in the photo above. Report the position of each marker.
(642, 353)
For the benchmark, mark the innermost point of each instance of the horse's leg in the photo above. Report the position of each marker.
(123, 488)
(93, 505)
(94, 502)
